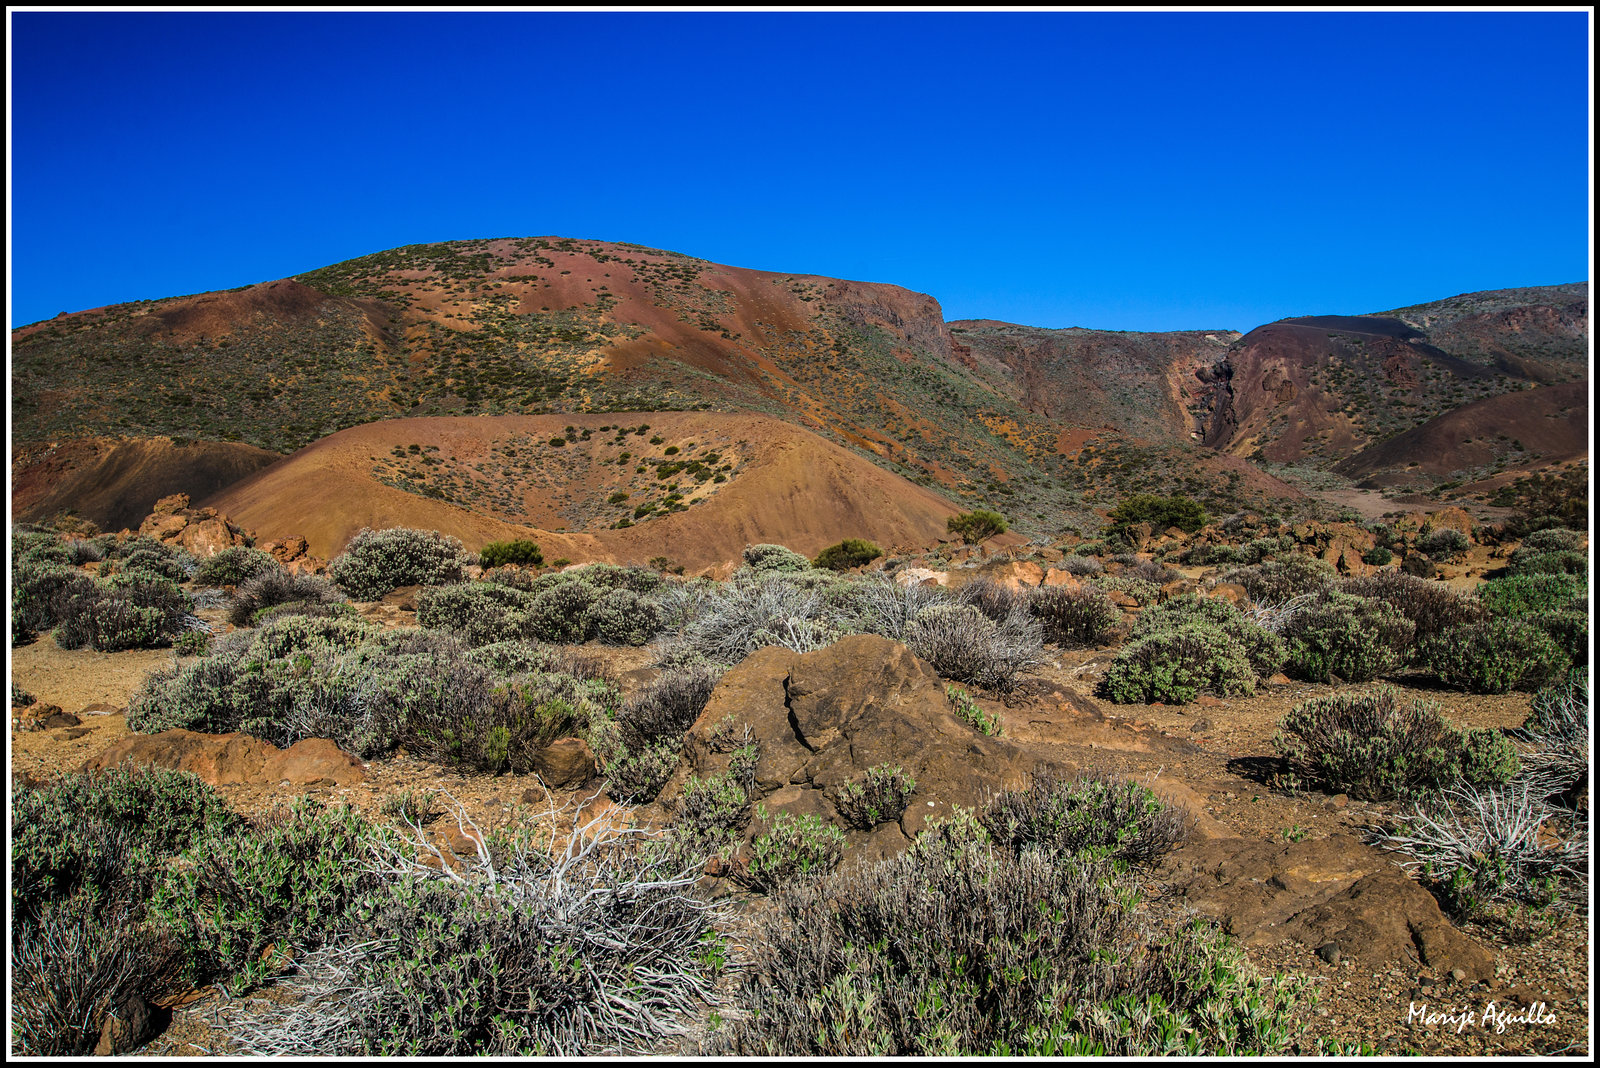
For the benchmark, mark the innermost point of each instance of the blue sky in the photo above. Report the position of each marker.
(1135, 171)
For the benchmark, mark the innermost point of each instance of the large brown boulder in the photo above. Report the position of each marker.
(825, 717)
(202, 531)
(235, 759)
(1332, 890)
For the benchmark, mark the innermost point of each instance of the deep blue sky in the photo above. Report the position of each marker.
(1123, 171)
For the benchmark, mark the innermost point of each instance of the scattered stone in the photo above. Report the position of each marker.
(1329, 952)
(1337, 801)
(565, 762)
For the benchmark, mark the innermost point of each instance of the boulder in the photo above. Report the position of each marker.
(565, 762)
(921, 576)
(235, 759)
(1320, 891)
(129, 1025)
(1057, 577)
(203, 532)
(1018, 574)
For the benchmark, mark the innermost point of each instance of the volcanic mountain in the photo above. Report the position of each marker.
(1046, 426)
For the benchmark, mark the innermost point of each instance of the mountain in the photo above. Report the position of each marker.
(1049, 427)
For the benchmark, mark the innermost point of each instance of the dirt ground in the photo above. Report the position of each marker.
(1219, 749)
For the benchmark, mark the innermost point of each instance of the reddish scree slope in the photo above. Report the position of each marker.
(792, 488)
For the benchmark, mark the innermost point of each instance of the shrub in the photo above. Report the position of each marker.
(377, 561)
(1178, 664)
(1160, 512)
(1377, 556)
(85, 550)
(665, 709)
(976, 526)
(515, 551)
(878, 795)
(1494, 656)
(963, 644)
(1551, 539)
(1444, 544)
(150, 557)
(637, 776)
(498, 725)
(1355, 639)
(958, 947)
(234, 565)
(727, 622)
(793, 848)
(1263, 649)
(710, 814)
(479, 613)
(1143, 591)
(1375, 746)
(1569, 629)
(1526, 595)
(135, 610)
(852, 552)
(557, 613)
(580, 939)
(622, 617)
(1555, 759)
(1555, 562)
(774, 558)
(1476, 848)
(1430, 606)
(43, 593)
(971, 713)
(1082, 565)
(276, 586)
(993, 599)
(1276, 581)
(1087, 816)
(1075, 616)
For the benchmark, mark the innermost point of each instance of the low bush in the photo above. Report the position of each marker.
(1374, 745)
(963, 644)
(621, 617)
(1551, 562)
(377, 561)
(1555, 757)
(1552, 539)
(579, 939)
(847, 554)
(792, 849)
(774, 558)
(1142, 590)
(995, 600)
(878, 795)
(666, 708)
(515, 551)
(150, 557)
(1516, 596)
(132, 610)
(1494, 656)
(1444, 544)
(636, 776)
(972, 714)
(710, 814)
(276, 586)
(1264, 650)
(1082, 565)
(1074, 617)
(1569, 629)
(1431, 607)
(479, 613)
(1279, 580)
(728, 621)
(234, 565)
(1178, 664)
(1354, 639)
(1160, 512)
(976, 526)
(958, 947)
(241, 905)
(1377, 556)
(1087, 816)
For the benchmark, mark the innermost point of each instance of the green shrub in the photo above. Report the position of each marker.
(242, 903)
(1377, 556)
(1551, 539)
(774, 558)
(1495, 656)
(1075, 616)
(133, 610)
(793, 848)
(1374, 745)
(971, 713)
(276, 586)
(377, 561)
(1160, 512)
(150, 557)
(976, 526)
(479, 613)
(515, 551)
(1142, 590)
(1176, 665)
(1089, 816)
(1354, 639)
(956, 947)
(1552, 562)
(1444, 544)
(878, 795)
(1280, 580)
(622, 617)
(42, 593)
(1517, 596)
(1264, 650)
(234, 565)
(559, 612)
(637, 776)
(711, 813)
(1430, 606)
(1569, 629)
(852, 552)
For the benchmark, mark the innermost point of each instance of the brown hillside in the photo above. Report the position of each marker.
(115, 483)
(484, 479)
(1541, 427)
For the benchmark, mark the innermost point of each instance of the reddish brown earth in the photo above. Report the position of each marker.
(115, 483)
(789, 487)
